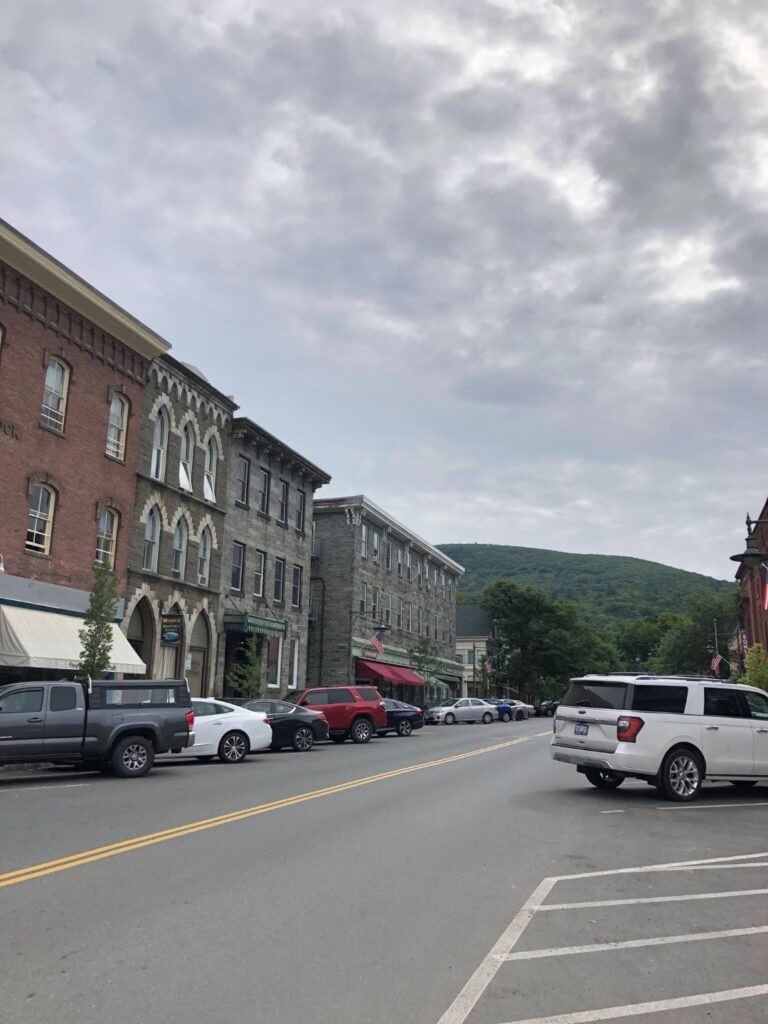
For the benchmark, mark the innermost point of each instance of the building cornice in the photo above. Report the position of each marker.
(251, 433)
(43, 270)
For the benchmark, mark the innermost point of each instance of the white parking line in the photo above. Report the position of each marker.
(662, 940)
(36, 789)
(653, 899)
(708, 807)
(658, 1006)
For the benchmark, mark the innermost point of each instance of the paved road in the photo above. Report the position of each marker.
(307, 888)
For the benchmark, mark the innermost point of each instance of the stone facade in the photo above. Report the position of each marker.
(372, 571)
(266, 557)
(174, 576)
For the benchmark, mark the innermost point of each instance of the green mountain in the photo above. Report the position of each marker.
(607, 588)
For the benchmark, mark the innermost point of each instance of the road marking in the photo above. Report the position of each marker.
(708, 807)
(36, 789)
(152, 838)
(657, 1006)
(663, 940)
(705, 863)
(653, 899)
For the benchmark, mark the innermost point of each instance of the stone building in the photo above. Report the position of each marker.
(372, 573)
(73, 367)
(174, 571)
(266, 558)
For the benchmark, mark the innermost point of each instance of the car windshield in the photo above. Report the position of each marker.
(448, 703)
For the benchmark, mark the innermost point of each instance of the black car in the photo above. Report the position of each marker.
(546, 708)
(402, 718)
(292, 726)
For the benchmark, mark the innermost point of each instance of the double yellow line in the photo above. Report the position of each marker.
(77, 860)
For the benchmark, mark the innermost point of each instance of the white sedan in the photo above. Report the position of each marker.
(227, 731)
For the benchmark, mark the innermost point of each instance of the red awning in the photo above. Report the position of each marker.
(389, 673)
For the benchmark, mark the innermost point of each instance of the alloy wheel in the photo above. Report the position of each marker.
(233, 747)
(135, 757)
(303, 738)
(683, 775)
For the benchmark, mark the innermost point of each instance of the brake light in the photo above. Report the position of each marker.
(322, 717)
(266, 719)
(190, 717)
(628, 728)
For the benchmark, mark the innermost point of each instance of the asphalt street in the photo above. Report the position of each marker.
(457, 875)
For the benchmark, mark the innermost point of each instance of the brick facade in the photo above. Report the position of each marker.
(269, 518)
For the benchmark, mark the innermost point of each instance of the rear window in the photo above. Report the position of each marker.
(599, 694)
(137, 696)
(660, 698)
(368, 694)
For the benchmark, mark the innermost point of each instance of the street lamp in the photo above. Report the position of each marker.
(751, 557)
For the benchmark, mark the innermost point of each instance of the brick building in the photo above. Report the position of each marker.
(751, 626)
(266, 559)
(371, 572)
(174, 570)
(72, 373)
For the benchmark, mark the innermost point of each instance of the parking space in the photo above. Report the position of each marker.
(683, 942)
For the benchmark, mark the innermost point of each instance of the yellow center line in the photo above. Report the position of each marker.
(75, 860)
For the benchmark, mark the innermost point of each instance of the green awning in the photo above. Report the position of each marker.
(244, 622)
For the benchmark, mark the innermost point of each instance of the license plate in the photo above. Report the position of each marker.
(581, 729)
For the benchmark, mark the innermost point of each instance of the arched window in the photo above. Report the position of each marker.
(55, 395)
(187, 458)
(179, 561)
(116, 430)
(159, 445)
(106, 538)
(151, 538)
(42, 504)
(204, 558)
(209, 479)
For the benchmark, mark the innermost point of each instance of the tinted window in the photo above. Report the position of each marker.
(723, 703)
(222, 709)
(125, 696)
(757, 703)
(340, 697)
(281, 707)
(318, 697)
(368, 694)
(600, 694)
(22, 702)
(202, 708)
(63, 698)
(660, 698)
(264, 706)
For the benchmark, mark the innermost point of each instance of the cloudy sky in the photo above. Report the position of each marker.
(502, 266)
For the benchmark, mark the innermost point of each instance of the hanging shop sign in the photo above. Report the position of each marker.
(171, 629)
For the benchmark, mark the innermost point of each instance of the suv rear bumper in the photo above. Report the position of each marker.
(622, 765)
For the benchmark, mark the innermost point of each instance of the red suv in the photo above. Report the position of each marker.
(355, 711)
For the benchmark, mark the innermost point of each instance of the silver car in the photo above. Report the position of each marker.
(463, 709)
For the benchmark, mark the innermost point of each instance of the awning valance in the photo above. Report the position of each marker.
(31, 638)
(244, 622)
(379, 671)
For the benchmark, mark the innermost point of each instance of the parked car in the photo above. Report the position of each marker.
(546, 708)
(462, 709)
(352, 711)
(97, 724)
(504, 709)
(670, 731)
(227, 731)
(521, 710)
(292, 726)
(402, 718)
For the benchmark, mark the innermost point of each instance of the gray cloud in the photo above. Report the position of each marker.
(500, 265)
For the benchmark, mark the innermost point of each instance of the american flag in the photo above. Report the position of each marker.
(378, 641)
(765, 589)
(715, 663)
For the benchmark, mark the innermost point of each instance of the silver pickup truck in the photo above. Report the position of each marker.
(97, 724)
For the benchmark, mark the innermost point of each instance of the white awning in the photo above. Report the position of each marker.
(30, 638)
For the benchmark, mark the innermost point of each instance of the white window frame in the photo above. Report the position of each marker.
(418, 620)
(374, 603)
(106, 540)
(186, 458)
(243, 485)
(153, 529)
(408, 565)
(296, 598)
(204, 558)
(409, 616)
(388, 554)
(363, 597)
(117, 427)
(293, 664)
(209, 475)
(386, 607)
(159, 445)
(179, 552)
(282, 502)
(55, 395)
(259, 574)
(265, 486)
(376, 546)
(279, 579)
(43, 547)
(276, 685)
(400, 612)
(301, 510)
(364, 541)
(399, 559)
(238, 548)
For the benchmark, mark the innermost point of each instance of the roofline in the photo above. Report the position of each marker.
(246, 426)
(340, 504)
(29, 259)
(205, 385)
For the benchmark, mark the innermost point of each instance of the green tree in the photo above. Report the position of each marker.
(96, 634)
(425, 658)
(245, 677)
(685, 648)
(757, 667)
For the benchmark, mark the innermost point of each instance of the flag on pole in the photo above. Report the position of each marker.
(378, 641)
(715, 663)
(765, 589)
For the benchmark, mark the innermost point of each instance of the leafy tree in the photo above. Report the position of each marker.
(245, 677)
(757, 667)
(96, 634)
(639, 639)
(685, 647)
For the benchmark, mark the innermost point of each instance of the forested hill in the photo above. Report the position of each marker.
(607, 588)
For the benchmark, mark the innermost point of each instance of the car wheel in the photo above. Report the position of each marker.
(550, 712)
(681, 775)
(339, 739)
(132, 757)
(505, 717)
(603, 779)
(449, 719)
(519, 716)
(362, 730)
(233, 748)
(204, 758)
(744, 783)
(487, 718)
(527, 715)
(404, 728)
(303, 738)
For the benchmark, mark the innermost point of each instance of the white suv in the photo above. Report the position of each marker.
(671, 731)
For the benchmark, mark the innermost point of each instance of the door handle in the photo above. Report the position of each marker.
(37, 719)
(762, 730)
(712, 728)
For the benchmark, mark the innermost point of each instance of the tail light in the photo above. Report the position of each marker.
(321, 716)
(628, 728)
(190, 717)
(266, 719)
